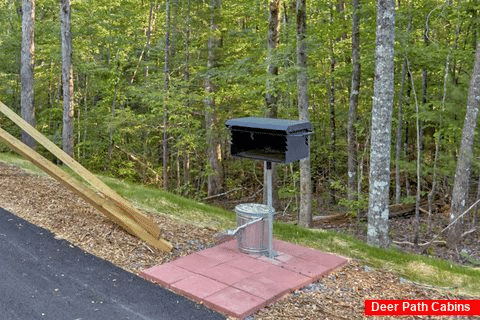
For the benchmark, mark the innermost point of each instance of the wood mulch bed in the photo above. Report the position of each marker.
(340, 295)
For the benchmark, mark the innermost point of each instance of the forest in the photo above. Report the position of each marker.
(155, 81)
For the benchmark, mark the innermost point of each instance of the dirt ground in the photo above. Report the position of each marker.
(340, 295)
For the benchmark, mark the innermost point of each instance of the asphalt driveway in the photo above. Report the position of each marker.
(45, 278)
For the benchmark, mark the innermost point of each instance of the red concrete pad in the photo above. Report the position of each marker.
(278, 260)
(197, 287)
(239, 284)
(289, 278)
(289, 248)
(220, 253)
(196, 262)
(263, 287)
(325, 259)
(166, 274)
(234, 302)
(230, 245)
(306, 268)
(226, 274)
(249, 264)
(283, 257)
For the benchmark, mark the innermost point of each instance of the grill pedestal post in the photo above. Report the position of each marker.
(268, 173)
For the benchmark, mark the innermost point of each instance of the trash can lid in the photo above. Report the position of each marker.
(254, 209)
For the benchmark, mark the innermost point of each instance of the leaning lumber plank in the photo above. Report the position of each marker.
(123, 204)
(109, 209)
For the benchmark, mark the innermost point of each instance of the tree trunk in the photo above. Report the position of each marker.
(271, 95)
(67, 78)
(378, 211)
(398, 142)
(214, 174)
(331, 105)
(352, 110)
(477, 208)
(462, 174)
(166, 90)
(148, 36)
(186, 70)
(305, 214)
(419, 157)
(27, 68)
(186, 169)
(438, 136)
(419, 129)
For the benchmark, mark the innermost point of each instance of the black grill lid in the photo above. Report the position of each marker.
(284, 125)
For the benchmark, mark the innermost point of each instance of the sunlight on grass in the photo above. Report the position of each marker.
(20, 162)
(341, 242)
(422, 268)
(162, 202)
(459, 279)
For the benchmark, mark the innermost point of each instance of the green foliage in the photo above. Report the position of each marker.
(120, 96)
(354, 206)
(409, 200)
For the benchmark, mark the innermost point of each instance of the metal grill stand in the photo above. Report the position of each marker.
(268, 173)
(269, 140)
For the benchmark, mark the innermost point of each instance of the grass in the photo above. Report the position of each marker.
(427, 270)
(20, 162)
(175, 206)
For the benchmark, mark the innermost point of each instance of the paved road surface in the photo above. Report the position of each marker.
(45, 278)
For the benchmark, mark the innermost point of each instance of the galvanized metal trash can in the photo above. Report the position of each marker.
(253, 238)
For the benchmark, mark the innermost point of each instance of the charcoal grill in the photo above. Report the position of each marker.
(269, 140)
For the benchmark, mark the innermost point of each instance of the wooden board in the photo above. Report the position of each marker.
(103, 198)
(108, 208)
(96, 183)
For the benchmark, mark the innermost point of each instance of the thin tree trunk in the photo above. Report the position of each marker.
(148, 35)
(166, 91)
(186, 70)
(305, 214)
(186, 77)
(438, 137)
(331, 105)
(398, 144)
(419, 150)
(462, 174)
(352, 110)
(111, 130)
(419, 129)
(406, 151)
(271, 95)
(186, 169)
(475, 213)
(378, 211)
(67, 78)
(146, 49)
(179, 178)
(27, 68)
(214, 176)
